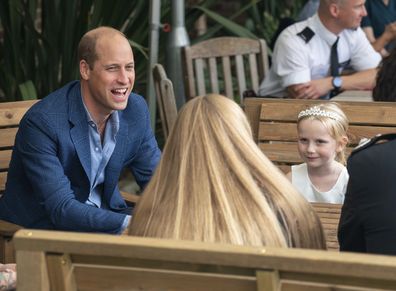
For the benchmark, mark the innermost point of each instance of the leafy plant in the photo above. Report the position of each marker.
(40, 37)
(38, 51)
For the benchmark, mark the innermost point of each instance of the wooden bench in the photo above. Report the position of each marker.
(49, 260)
(329, 215)
(274, 125)
(11, 114)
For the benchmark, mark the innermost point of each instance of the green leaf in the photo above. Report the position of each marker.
(27, 90)
(228, 24)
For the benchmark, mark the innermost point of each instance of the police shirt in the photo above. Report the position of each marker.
(302, 53)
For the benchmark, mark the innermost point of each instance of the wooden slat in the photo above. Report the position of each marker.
(253, 72)
(5, 157)
(281, 152)
(187, 265)
(225, 61)
(11, 113)
(224, 46)
(165, 99)
(7, 137)
(263, 59)
(371, 113)
(189, 71)
(280, 131)
(286, 152)
(61, 276)
(32, 271)
(199, 72)
(240, 71)
(3, 179)
(214, 82)
(154, 279)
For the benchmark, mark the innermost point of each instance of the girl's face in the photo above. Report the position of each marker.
(316, 146)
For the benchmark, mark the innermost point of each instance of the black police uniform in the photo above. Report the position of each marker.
(368, 217)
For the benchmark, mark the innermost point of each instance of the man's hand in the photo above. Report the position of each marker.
(313, 89)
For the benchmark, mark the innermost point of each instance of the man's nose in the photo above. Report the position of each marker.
(364, 11)
(123, 76)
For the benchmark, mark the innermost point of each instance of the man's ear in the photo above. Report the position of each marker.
(334, 9)
(84, 70)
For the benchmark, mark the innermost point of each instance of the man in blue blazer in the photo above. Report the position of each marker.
(72, 145)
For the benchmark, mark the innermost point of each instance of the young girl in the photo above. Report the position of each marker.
(322, 138)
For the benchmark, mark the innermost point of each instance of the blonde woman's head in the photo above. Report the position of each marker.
(214, 184)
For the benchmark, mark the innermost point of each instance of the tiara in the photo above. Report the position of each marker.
(316, 111)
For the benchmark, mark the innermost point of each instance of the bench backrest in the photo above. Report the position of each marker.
(50, 260)
(230, 64)
(10, 116)
(275, 129)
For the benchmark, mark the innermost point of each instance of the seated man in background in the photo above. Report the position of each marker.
(72, 145)
(214, 184)
(368, 216)
(380, 24)
(310, 56)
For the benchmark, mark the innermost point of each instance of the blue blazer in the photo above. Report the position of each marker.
(49, 177)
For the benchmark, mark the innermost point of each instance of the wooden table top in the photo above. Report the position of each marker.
(354, 95)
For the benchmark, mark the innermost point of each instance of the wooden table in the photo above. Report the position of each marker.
(354, 95)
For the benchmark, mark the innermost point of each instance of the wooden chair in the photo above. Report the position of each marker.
(165, 99)
(224, 61)
(49, 260)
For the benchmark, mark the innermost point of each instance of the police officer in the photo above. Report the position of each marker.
(303, 65)
(368, 217)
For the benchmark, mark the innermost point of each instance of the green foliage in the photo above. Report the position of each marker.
(40, 37)
(40, 49)
(254, 18)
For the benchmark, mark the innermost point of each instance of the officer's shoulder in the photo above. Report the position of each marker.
(306, 34)
(378, 139)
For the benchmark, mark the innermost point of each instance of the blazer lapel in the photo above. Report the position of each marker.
(79, 129)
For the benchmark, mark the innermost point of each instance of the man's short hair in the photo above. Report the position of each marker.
(87, 46)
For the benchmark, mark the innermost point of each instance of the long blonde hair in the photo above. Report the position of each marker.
(214, 184)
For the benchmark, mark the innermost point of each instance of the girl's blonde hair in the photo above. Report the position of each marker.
(333, 119)
(214, 184)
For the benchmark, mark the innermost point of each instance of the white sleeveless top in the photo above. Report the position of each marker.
(302, 183)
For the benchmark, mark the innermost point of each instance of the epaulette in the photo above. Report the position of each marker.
(306, 34)
(379, 138)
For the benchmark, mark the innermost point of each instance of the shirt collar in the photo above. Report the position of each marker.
(320, 29)
(114, 119)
